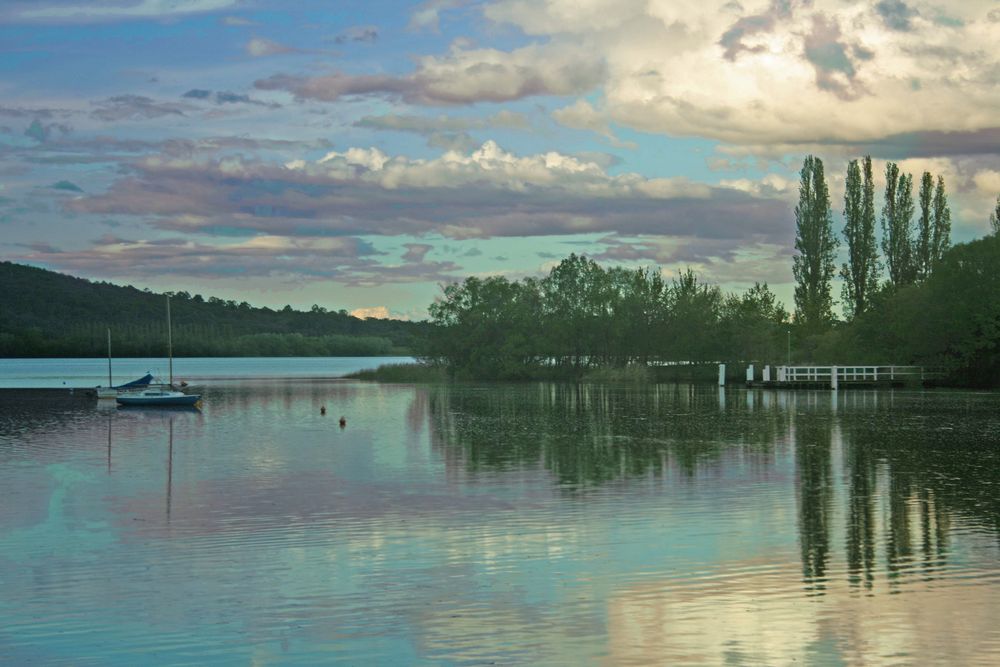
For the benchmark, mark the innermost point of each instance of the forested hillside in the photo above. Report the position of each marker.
(43, 313)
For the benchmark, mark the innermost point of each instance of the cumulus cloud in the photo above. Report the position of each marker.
(780, 73)
(373, 312)
(895, 13)
(463, 76)
(489, 192)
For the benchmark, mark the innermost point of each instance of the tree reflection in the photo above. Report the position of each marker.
(813, 465)
(589, 434)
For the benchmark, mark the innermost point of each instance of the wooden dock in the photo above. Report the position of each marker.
(834, 377)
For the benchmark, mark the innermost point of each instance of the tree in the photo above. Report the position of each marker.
(897, 237)
(813, 266)
(941, 236)
(860, 274)
(995, 218)
(925, 237)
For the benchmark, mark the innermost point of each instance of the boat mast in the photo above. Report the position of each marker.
(109, 357)
(170, 344)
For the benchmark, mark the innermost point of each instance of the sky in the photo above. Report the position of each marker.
(359, 156)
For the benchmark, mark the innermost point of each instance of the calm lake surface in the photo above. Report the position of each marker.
(509, 524)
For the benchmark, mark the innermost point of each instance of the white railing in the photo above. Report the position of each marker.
(834, 375)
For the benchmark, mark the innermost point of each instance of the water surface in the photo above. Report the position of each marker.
(515, 524)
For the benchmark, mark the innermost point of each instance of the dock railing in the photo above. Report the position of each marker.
(835, 375)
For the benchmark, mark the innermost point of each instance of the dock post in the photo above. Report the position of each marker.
(833, 378)
(750, 374)
(722, 375)
(767, 373)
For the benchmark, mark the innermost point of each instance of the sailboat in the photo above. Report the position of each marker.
(161, 396)
(112, 391)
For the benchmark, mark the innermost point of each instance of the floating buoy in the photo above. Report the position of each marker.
(322, 410)
(343, 422)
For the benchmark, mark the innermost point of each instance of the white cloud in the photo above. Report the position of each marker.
(121, 10)
(375, 312)
(827, 71)
(259, 47)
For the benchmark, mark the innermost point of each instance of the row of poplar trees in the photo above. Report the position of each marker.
(912, 242)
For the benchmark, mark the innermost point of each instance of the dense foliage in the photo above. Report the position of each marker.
(582, 316)
(43, 313)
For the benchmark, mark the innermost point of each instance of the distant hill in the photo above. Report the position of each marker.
(44, 313)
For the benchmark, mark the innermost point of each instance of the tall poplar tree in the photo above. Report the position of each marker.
(815, 243)
(897, 216)
(860, 273)
(995, 218)
(925, 235)
(941, 234)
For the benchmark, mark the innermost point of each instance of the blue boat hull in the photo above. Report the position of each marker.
(159, 401)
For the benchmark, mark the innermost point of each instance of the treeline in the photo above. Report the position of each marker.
(47, 314)
(582, 316)
(938, 305)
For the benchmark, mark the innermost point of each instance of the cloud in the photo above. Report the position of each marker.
(736, 39)
(67, 186)
(460, 77)
(428, 15)
(347, 259)
(41, 132)
(415, 252)
(486, 193)
(135, 107)
(37, 113)
(237, 21)
(225, 97)
(259, 47)
(444, 132)
(358, 33)
(791, 72)
(59, 12)
(373, 312)
(829, 56)
(581, 115)
(895, 13)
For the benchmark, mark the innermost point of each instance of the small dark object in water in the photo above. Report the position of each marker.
(343, 422)
(322, 409)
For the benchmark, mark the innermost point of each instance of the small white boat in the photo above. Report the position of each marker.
(157, 397)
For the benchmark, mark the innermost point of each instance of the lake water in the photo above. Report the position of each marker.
(89, 373)
(510, 524)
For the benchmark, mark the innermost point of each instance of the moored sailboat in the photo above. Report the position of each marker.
(162, 396)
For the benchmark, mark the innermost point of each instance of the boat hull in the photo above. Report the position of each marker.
(159, 401)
